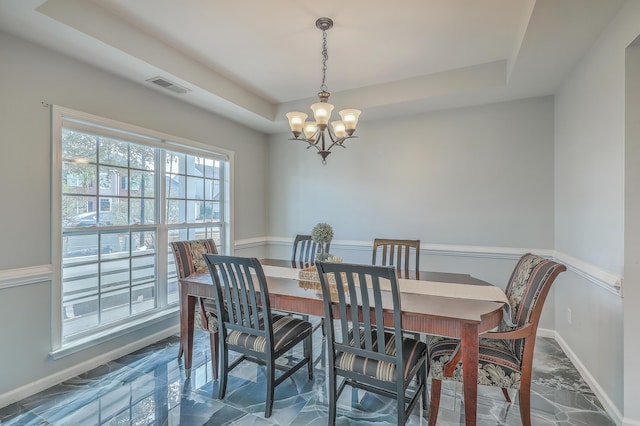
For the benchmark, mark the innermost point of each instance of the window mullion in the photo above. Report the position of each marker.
(162, 230)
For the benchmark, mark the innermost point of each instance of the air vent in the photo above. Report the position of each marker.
(166, 84)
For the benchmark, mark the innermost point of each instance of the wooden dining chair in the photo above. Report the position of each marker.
(247, 326)
(304, 252)
(305, 249)
(188, 259)
(360, 349)
(396, 253)
(505, 356)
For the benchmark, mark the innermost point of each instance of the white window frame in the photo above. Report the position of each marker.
(134, 133)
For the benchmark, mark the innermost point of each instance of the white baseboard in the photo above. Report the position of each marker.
(60, 376)
(545, 332)
(608, 405)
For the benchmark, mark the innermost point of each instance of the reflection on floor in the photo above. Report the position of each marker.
(149, 387)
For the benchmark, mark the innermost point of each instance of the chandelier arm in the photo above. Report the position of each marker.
(313, 140)
(339, 142)
(336, 140)
(310, 143)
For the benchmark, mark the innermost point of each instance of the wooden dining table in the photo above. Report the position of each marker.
(456, 317)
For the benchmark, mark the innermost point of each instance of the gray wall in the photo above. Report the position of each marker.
(30, 74)
(590, 213)
(477, 176)
(471, 176)
(632, 232)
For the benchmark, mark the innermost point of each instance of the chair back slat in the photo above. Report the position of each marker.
(245, 305)
(305, 249)
(253, 302)
(379, 315)
(396, 253)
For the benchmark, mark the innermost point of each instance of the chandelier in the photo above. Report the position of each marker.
(316, 132)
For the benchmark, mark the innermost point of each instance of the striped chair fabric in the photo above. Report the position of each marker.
(285, 330)
(412, 352)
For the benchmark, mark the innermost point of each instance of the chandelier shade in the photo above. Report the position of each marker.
(322, 133)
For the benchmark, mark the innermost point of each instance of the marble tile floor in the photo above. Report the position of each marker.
(148, 387)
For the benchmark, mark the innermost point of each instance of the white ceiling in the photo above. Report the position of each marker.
(254, 60)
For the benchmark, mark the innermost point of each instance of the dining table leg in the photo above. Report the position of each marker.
(469, 342)
(183, 319)
(187, 312)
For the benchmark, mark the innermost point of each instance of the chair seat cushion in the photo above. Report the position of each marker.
(286, 329)
(498, 364)
(412, 351)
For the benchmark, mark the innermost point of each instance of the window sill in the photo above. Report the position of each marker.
(112, 333)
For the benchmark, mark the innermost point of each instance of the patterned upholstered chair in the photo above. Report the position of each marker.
(247, 325)
(396, 253)
(387, 368)
(189, 260)
(506, 356)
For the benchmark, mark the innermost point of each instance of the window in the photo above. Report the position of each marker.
(192, 201)
(115, 264)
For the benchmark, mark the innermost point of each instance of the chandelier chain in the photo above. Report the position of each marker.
(325, 56)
